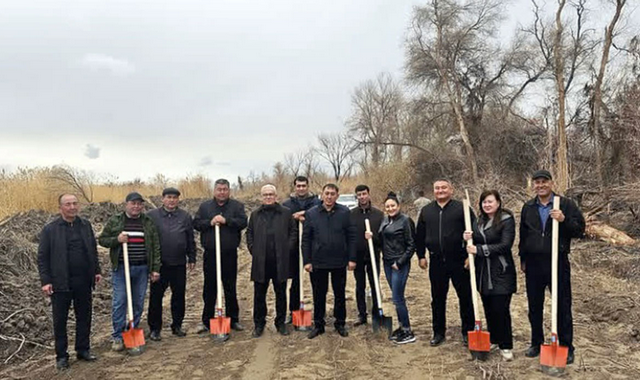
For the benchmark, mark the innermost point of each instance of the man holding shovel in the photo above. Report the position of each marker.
(299, 203)
(178, 247)
(535, 258)
(364, 267)
(69, 269)
(328, 246)
(231, 218)
(144, 262)
(440, 228)
(270, 234)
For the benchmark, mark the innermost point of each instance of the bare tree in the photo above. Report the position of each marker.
(337, 150)
(376, 105)
(597, 89)
(77, 180)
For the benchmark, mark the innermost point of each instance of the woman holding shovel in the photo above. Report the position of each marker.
(397, 241)
(492, 238)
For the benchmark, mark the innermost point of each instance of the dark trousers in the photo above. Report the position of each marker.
(362, 271)
(176, 278)
(537, 282)
(320, 285)
(497, 311)
(260, 302)
(439, 274)
(229, 279)
(294, 294)
(81, 297)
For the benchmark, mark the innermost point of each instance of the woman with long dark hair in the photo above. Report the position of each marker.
(397, 241)
(493, 237)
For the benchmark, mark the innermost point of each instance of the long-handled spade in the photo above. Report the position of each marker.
(382, 322)
(301, 318)
(553, 357)
(133, 338)
(219, 325)
(479, 341)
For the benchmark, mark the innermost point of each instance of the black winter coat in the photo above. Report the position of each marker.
(397, 237)
(495, 269)
(296, 204)
(53, 265)
(535, 243)
(230, 233)
(375, 216)
(329, 238)
(285, 236)
(440, 231)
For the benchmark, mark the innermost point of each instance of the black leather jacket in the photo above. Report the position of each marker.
(398, 241)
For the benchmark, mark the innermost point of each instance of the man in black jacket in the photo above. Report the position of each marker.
(270, 234)
(328, 246)
(177, 244)
(440, 228)
(69, 269)
(229, 214)
(364, 267)
(299, 203)
(535, 258)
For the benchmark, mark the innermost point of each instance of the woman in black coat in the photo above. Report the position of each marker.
(493, 237)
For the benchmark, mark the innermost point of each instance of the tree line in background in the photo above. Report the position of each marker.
(563, 94)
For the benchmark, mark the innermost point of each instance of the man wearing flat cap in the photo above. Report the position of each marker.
(178, 248)
(144, 261)
(535, 258)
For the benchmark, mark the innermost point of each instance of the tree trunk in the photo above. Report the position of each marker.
(562, 163)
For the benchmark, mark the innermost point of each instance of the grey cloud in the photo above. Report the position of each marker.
(223, 163)
(205, 161)
(92, 152)
(116, 66)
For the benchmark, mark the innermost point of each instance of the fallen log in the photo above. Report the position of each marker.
(600, 231)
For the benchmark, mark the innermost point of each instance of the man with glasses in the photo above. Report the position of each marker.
(270, 234)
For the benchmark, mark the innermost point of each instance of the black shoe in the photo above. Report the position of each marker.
(405, 337)
(532, 352)
(289, 319)
(315, 332)
(258, 331)
(282, 330)
(395, 333)
(178, 331)
(570, 358)
(361, 321)
(62, 364)
(437, 340)
(465, 340)
(87, 356)
(155, 336)
(237, 326)
(342, 331)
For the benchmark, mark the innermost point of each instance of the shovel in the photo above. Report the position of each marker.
(382, 322)
(219, 325)
(301, 318)
(133, 338)
(553, 357)
(479, 341)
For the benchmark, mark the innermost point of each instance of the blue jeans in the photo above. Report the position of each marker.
(139, 280)
(397, 280)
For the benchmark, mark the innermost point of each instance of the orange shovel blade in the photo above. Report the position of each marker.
(301, 319)
(220, 326)
(553, 358)
(479, 341)
(133, 338)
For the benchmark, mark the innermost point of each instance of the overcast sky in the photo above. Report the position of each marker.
(223, 87)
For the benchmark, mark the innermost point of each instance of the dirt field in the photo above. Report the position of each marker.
(606, 316)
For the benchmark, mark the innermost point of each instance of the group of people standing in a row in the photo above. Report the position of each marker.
(334, 240)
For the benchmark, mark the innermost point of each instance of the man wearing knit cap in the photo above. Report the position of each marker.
(178, 248)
